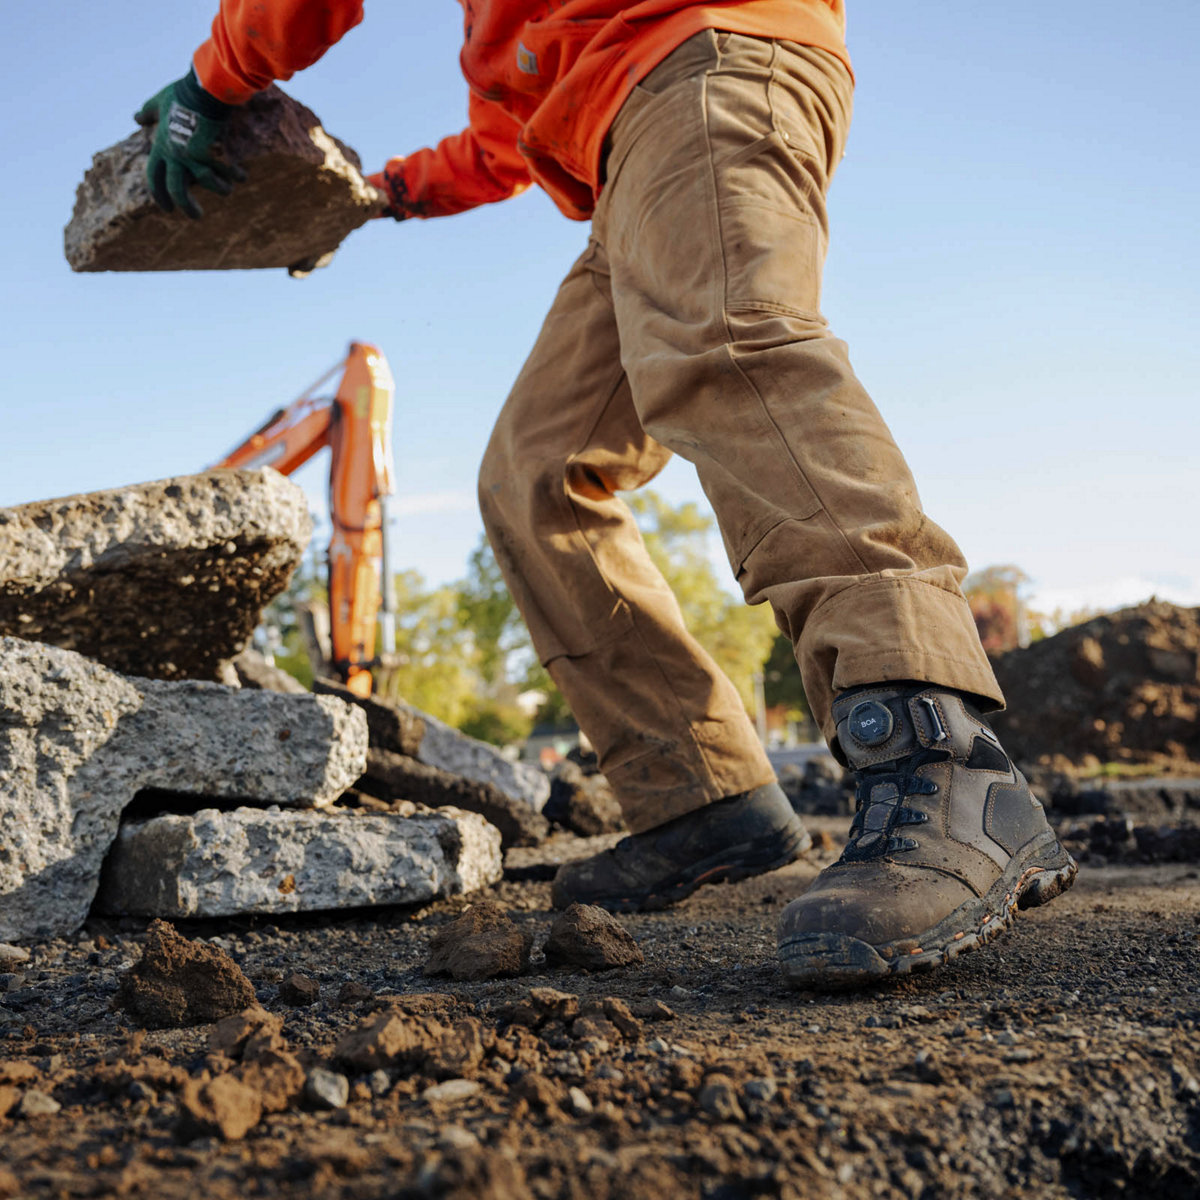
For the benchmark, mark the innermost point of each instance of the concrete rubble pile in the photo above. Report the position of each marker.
(303, 194)
(415, 757)
(80, 740)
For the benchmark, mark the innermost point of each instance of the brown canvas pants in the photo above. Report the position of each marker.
(691, 325)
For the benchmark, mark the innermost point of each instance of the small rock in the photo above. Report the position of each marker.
(326, 1089)
(578, 1102)
(455, 1137)
(37, 1104)
(141, 1092)
(380, 1082)
(588, 936)
(762, 1090)
(11, 955)
(179, 982)
(353, 992)
(483, 943)
(679, 992)
(453, 1091)
(298, 990)
(651, 1010)
(719, 1099)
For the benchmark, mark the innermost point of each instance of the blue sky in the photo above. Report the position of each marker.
(1014, 265)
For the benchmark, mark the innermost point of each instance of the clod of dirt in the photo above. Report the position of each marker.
(298, 990)
(467, 1174)
(252, 1028)
(180, 982)
(353, 992)
(718, 1098)
(388, 1039)
(583, 803)
(542, 1005)
(588, 936)
(275, 1074)
(223, 1107)
(608, 1020)
(483, 943)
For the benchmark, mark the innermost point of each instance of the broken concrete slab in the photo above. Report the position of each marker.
(304, 192)
(254, 671)
(78, 741)
(217, 864)
(401, 729)
(397, 777)
(165, 580)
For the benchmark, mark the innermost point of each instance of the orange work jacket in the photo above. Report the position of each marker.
(547, 77)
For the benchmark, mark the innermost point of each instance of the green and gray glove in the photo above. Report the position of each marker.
(190, 122)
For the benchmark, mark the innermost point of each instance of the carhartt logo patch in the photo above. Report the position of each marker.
(526, 60)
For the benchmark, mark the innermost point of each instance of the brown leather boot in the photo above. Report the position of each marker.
(947, 843)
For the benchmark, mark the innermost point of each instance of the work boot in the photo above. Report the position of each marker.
(947, 842)
(747, 834)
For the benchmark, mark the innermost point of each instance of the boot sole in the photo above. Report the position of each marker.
(735, 863)
(1037, 874)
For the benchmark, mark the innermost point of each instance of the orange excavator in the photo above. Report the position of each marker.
(356, 424)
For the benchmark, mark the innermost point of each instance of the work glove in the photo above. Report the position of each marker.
(190, 121)
(394, 191)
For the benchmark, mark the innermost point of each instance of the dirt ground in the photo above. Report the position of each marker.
(1063, 1060)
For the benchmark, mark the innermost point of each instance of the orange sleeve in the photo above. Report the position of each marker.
(478, 166)
(255, 42)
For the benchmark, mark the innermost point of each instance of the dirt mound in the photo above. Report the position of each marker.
(1122, 688)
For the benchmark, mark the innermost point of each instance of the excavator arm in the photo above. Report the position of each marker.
(356, 425)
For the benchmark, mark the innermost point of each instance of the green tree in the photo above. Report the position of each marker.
(993, 595)
(436, 667)
(738, 637)
(782, 681)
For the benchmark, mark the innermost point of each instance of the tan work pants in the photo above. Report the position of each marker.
(691, 325)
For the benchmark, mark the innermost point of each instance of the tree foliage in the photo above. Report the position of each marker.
(738, 637)
(464, 655)
(995, 600)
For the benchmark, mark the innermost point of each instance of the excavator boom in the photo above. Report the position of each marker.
(356, 425)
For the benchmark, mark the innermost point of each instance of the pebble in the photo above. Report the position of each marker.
(657, 1046)
(138, 1091)
(380, 1082)
(451, 1092)
(455, 1137)
(718, 1099)
(326, 1089)
(37, 1104)
(578, 1102)
(763, 1090)
(10, 955)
